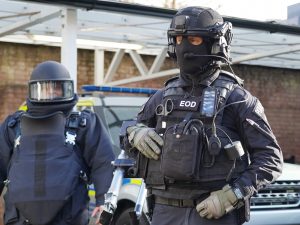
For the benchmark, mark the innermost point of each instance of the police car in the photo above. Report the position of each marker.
(114, 105)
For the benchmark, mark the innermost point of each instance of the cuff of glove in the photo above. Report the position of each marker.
(231, 196)
(245, 189)
(131, 131)
(235, 196)
(131, 134)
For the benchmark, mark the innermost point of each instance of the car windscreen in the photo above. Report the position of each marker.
(114, 116)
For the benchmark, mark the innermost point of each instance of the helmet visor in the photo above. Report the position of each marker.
(51, 91)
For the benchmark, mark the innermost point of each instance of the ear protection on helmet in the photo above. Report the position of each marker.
(221, 45)
(171, 48)
(220, 34)
(180, 24)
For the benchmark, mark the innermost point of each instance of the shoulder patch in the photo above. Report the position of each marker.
(259, 110)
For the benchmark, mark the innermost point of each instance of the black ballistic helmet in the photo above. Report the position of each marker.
(204, 22)
(50, 82)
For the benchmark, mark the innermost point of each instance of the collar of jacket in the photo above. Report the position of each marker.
(207, 81)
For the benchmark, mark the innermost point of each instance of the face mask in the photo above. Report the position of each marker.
(190, 62)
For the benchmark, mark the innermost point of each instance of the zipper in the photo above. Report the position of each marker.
(259, 129)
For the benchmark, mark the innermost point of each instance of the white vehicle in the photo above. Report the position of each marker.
(279, 203)
(113, 110)
(276, 204)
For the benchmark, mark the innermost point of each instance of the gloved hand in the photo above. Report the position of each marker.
(218, 203)
(146, 140)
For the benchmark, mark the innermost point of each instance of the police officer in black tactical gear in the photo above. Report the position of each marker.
(49, 154)
(202, 143)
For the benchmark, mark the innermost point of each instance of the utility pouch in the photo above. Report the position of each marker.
(244, 212)
(150, 205)
(181, 155)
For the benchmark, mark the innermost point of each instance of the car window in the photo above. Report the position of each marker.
(114, 116)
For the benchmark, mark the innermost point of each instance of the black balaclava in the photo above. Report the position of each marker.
(194, 61)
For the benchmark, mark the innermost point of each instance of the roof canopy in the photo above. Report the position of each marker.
(113, 25)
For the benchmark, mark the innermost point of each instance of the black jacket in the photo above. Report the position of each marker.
(257, 138)
(95, 149)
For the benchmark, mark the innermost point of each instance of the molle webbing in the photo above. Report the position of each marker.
(225, 84)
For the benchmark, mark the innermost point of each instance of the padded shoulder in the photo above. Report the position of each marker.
(14, 118)
(230, 76)
(171, 80)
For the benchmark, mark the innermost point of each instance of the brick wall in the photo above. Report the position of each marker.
(16, 64)
(278, 89)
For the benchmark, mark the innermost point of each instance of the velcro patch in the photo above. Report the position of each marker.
(190, 104)
(259, 110)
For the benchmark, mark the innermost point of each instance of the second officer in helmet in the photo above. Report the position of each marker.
(203, 143)
(49, 154)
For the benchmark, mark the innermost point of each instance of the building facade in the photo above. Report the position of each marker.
(278, 89)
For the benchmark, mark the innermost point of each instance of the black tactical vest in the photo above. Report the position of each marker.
(45, 168)
(186, 160)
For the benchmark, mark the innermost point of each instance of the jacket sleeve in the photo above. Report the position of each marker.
(98, 154)
(260, 143)
(147, 114)
(7, 137)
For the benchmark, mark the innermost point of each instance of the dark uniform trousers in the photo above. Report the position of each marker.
(62, 218)
(171, 215)
(81, 219)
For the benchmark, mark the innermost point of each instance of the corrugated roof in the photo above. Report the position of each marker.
(255, 43)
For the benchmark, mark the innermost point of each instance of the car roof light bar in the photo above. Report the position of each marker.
(91, 88)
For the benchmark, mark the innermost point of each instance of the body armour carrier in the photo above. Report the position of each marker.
(189, 157)
(45, 168)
